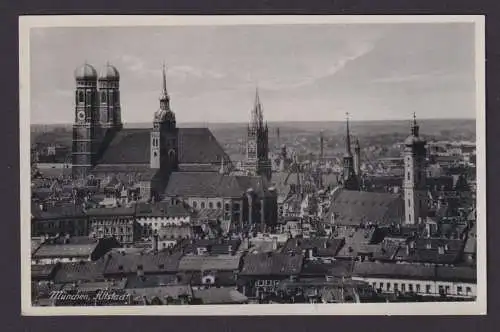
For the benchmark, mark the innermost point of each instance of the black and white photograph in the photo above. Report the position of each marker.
(252, 165)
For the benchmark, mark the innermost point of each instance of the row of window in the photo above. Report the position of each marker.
(416, 288)
(115, 230)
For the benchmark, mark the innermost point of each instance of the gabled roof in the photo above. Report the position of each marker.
(355, 207)
(78, 249)
(80, 271)
(132, 146)
(414, 271)
(205, 184)
(162, 262)
(272, 264)
(208, 263)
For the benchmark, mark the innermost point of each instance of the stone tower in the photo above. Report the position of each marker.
(414, 183)
(349, 178)
(258, 162)
(109, 98)
(164, 135)
(86, 123)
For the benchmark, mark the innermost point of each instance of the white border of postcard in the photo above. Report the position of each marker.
(437, 308)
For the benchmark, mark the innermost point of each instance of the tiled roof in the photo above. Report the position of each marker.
(205, 184)
(322, 246)
(43, 271)
(161, 209)
(72, 272)
(355, 241)
(132, 146)
(208, 263)
(65, 250)
(114, 211)
(355, 207)
(224, 295)
(392, 270)
(58, 211)
(272, 264)
(148, 281)
(162, 262)
(415, 271)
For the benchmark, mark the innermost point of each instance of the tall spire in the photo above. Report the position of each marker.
(348, 136)
(414, 126)
(257, 115)
(164, 93)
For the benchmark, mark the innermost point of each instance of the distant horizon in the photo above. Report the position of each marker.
(271, 122)
(304, 72)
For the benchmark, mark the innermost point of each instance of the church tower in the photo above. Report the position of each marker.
(164, 145)
(349, 178)
(86, 122)
(414, 184)
(109, 98)
(357, 158)
(258, 162)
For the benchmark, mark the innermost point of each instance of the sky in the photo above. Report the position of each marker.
(303, 72)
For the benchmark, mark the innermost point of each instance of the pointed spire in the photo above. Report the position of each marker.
(257, 115)
(164, 82)
(414, 126)
(348, 136)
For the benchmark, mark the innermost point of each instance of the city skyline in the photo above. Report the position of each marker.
(332, 70)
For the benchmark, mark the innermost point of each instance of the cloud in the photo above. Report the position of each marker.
(328, 70)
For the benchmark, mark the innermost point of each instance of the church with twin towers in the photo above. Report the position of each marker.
(164, 153)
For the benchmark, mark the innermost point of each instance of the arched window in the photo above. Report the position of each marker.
(80, 96)
(202, 205)
(103, 97)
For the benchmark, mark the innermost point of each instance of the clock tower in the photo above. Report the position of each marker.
(258, 162)
(85, 123)
(163, 154)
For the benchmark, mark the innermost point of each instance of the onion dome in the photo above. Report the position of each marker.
(109, 72)
(85, 72)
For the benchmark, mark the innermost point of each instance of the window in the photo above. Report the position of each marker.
(428, 289)
(441, 289)
(447, 289)
(227, 207)
(410, 287)
(408, 177)
(418, 288)
(374, 284)
(468, 290)
(409, 203)
(211, 205)
(103, 96)
(388, 285)
(195, 204)
(80, 97)
(459, 290)
(396, 286)
(381, 285)
(403, 287)
(202, 205)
